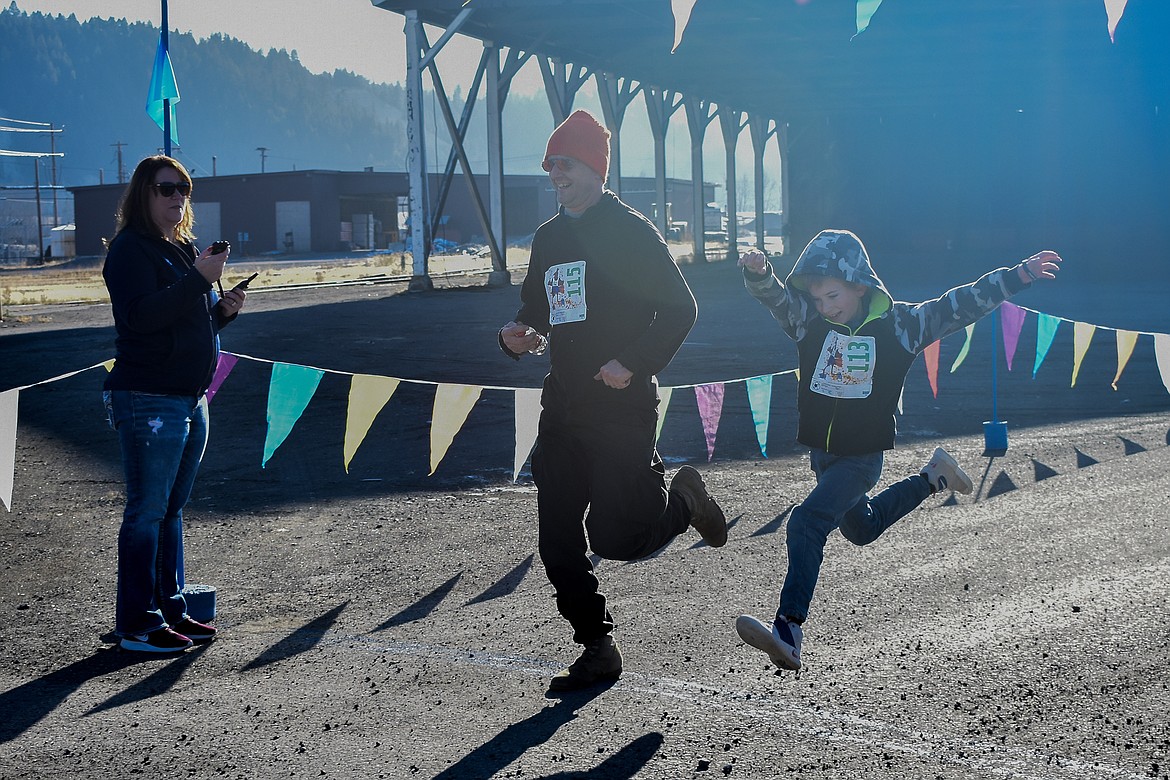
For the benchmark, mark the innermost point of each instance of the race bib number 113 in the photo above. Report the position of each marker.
(845, 367)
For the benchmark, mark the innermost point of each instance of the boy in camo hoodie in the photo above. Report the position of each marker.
(855, 345)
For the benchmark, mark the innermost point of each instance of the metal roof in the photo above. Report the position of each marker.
(791, 58)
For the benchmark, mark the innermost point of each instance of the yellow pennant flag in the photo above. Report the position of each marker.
(527, 425)
(965, 349)
(663, 402)
(452, 405)
(108, 365)
(1126, 339)
(367, 395)
(1082, 335)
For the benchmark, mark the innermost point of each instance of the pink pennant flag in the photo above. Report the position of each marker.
(227, 361)
(710, 400)
(930, 355)
(1013, 321)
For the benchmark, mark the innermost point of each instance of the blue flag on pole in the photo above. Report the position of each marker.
(163, 87)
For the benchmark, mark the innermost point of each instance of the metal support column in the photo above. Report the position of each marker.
(561, 85)
(496, 95)
(781, 131)
(730, 122)
(498, 81)
(758, 126)
(698, 117)
(420, 221)
(615, 93)
(660, 105)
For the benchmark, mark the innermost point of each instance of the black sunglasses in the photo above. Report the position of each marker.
(167, 188)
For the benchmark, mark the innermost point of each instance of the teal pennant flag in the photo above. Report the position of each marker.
(289, 392)
(163, 87)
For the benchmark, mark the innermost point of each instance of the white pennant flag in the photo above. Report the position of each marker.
(527, 424)
(8, 403)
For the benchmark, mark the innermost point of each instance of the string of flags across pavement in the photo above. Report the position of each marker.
(292, 387)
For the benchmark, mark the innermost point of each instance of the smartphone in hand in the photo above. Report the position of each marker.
(244, 284)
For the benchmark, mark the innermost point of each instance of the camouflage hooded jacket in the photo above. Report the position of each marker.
(851, 379)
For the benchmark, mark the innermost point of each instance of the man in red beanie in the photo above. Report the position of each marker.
(604, 294)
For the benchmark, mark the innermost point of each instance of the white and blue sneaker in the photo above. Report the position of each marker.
(781, 641)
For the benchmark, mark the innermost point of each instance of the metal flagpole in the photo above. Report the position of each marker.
(166, 101)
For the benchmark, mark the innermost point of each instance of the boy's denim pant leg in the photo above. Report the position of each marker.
(840, 500)
(162, 438)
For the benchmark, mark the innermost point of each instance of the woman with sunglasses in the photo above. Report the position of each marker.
(167, 316)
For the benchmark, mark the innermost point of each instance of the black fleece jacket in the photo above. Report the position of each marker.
(637, 306)
(165, 315)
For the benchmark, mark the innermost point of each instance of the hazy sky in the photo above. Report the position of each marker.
(326, 34)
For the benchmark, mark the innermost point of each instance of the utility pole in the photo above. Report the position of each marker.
(40, 226)
(213, 161)
(263, 154)
(121, 170)
(53, 159)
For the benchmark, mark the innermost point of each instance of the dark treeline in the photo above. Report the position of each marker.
(92, 78)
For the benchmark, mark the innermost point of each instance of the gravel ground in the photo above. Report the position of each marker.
(386, 623)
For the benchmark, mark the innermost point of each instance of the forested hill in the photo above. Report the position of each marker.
(92, 78)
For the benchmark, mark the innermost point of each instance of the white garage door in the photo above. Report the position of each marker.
(292, 226)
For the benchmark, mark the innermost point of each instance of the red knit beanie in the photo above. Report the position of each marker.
(583, 138)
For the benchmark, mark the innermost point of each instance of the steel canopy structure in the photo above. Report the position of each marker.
(980, 102)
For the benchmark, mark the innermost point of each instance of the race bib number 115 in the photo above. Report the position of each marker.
(564, 285)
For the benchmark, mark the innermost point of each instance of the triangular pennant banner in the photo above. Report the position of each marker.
(367, 395)
(710, 400)
(527, 424)
(1113, 11)
(108, 365)
(1082, 335)
(664, 394)
(9, 400)
(289, 392)
(227, 361)
(1013, 321)
(163, 88)
(930, 356)
(682, 16)
(1126, 340)
(1046, 326)
(452, 405)
(865, 12)
(965, 348)
(759, 392)
(1162, 355)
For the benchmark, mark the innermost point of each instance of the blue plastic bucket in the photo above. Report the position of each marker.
(995, 436)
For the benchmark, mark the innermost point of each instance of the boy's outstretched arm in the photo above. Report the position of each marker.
(1042, 265)
(789, 310)
(754, 260)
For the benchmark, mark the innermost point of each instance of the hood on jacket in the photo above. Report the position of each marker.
(838, 254)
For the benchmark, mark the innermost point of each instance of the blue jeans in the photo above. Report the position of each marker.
(840, 500)
(162, 439)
